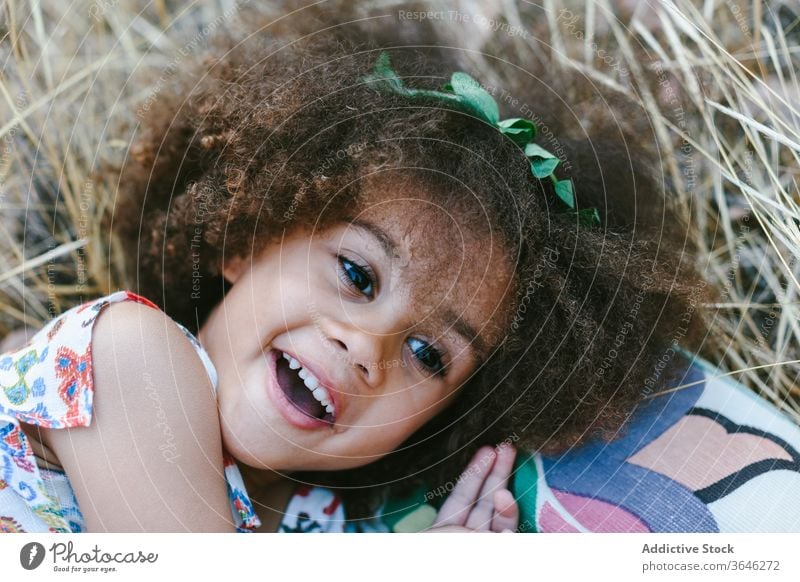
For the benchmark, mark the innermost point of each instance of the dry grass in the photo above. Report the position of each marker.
(74, 73)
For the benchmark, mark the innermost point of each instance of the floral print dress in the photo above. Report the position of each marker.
(49, 383)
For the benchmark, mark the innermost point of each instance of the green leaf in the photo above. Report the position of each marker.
(475, 97)
(465, 92)
(588, 217)
(521, 131)
(517, 123)
(519, 136)
(383, 68)
(383, 74)
(533, 150)
(382, 63)
(542, 168)
(542, 162)
(564, 192)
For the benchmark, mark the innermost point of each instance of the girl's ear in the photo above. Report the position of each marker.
(233, 268)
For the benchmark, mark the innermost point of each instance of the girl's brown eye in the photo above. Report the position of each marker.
(358, 277)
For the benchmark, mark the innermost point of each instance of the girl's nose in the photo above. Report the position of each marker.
(359, 348)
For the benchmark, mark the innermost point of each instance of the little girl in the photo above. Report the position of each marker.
(382, 275)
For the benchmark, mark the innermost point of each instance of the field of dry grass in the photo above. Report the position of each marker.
(74, 76)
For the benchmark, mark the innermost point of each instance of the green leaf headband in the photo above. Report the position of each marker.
(467, 94)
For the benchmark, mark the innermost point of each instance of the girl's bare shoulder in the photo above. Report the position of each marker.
(136, 337)
(154, 428)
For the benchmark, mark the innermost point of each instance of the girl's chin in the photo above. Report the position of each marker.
(264, 440)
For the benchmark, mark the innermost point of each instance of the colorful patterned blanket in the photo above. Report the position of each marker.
(708, 456)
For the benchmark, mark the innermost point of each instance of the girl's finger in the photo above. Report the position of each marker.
(480, 519)
(506, 512)
(456, 508)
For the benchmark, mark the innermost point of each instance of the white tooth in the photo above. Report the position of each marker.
(293, 364)
(311, 382)
(286, 356)
(302, 373)
(329, 409)
(319, 394)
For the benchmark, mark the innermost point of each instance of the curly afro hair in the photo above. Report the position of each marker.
(256, 141)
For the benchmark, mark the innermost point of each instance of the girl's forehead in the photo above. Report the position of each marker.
(448, 227)
(430, 234)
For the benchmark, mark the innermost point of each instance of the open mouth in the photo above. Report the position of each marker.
(303, 389)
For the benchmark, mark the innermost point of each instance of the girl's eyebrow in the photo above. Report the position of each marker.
(465, 330)
(388, 244)
(468, 332)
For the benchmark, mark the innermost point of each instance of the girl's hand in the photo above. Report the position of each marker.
(481, 500)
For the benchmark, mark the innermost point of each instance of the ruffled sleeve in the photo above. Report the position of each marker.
(47, 383)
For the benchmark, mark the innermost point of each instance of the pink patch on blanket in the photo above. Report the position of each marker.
(697, 452)
(551, 522)
(592, 514)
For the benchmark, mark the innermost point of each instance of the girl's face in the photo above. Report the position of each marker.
(333, 347)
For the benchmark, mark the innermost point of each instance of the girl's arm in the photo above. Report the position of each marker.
(151, 460)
